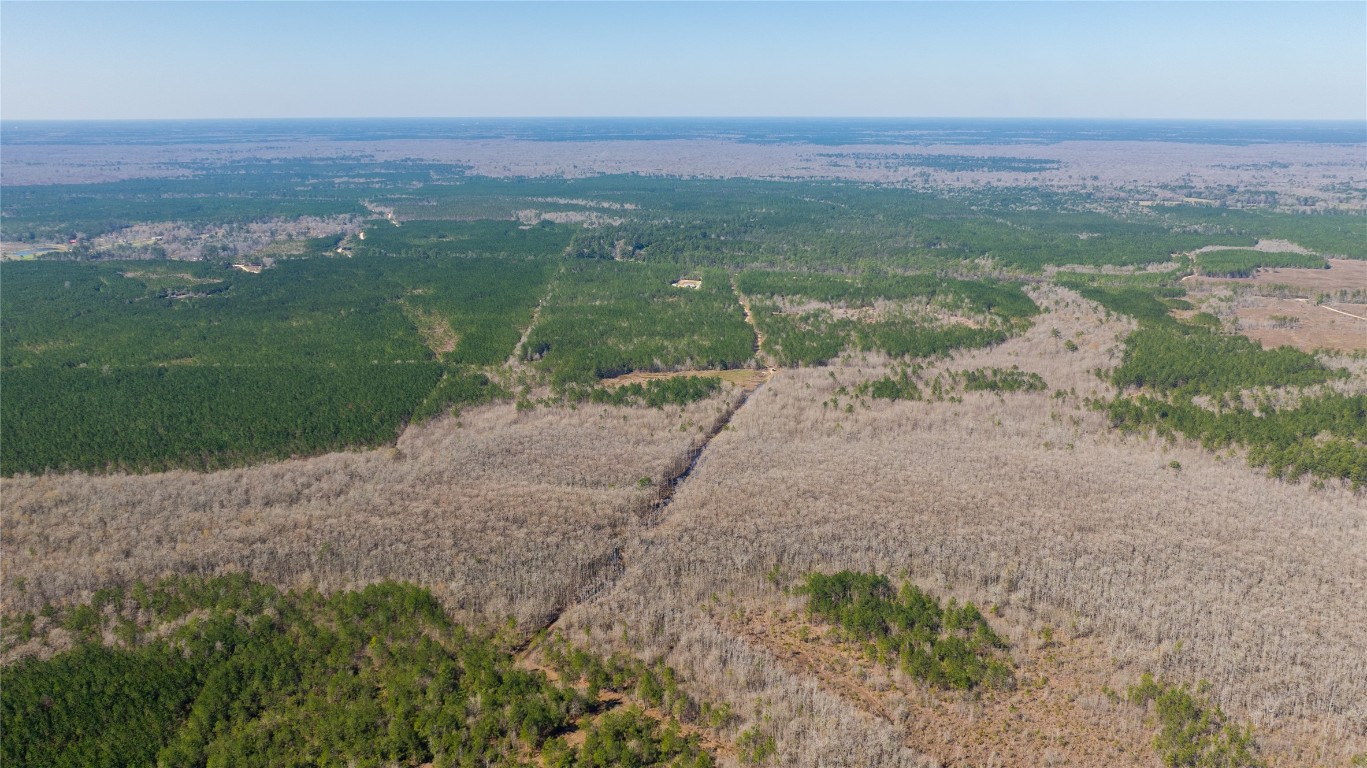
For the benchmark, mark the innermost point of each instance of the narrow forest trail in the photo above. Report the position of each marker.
(536, 315)
(521, 342)
(603, 574)
(611, 570)
(760, 354)
(651, 512)
(684, 465)
(1331, 309)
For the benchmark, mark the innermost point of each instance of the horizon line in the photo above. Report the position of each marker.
(688, 117)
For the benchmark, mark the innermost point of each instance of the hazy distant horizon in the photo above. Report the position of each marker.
(404, 60)
(832, 131)
(773, 118)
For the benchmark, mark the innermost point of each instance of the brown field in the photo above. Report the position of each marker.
(1302, 324)
(1026, 503)
(1308, 309)
(1343, 274)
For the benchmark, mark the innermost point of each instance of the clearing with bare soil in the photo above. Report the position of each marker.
(1308, 309)
(1302, 324)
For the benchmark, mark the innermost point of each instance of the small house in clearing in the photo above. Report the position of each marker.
(687, 283)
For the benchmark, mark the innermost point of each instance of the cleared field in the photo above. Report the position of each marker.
(1342, 274)
(1302, 324)
(1305, 308)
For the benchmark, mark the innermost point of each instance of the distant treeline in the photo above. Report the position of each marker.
(730, 222)
(951, 163)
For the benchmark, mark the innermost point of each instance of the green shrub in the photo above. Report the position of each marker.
(1194, 733)
(1002, 380)
(950, 646)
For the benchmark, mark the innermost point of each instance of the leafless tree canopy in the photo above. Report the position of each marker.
(502, 513)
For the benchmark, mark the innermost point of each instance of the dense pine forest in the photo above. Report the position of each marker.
(226, 671)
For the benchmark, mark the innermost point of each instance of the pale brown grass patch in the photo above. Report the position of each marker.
(1302, 324)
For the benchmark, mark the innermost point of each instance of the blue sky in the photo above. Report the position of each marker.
(114, 60)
